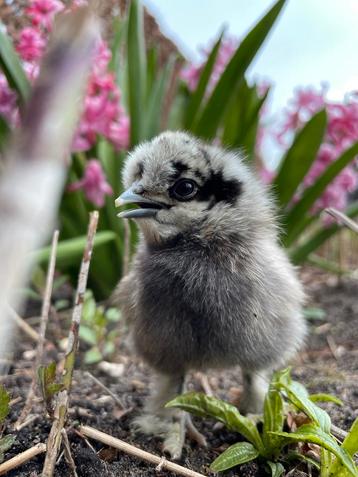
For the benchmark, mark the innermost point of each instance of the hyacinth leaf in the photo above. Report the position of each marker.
(301, 252)
(156, 100)
(4, 403)
(325, 461)
(4, 133)
(323, 397)
(296, 215)
(136, 59)
(315, 435)
(212, 114)
(5, 444)
(202, 405)
(299, 396)
(299, 158)
(295, 455)
(196, 98)
(234, 455)
(11, 66)
(276, 468)
(71, 250)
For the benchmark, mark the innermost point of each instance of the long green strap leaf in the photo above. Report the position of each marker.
(214, 110)
(136, 57)
(196, 98)
(11, 66)
(300, 253)
(299, 158)
(234, 455)
(296, 215)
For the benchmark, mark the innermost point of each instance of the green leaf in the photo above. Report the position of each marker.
(300, 253)
(277, 469)
(113, 314)
(93, 356)
(350, 445)
(325, 397)
(315, 435)
(70, 250)
(4, 133)
(5, 444)
(234, 455)
(222, 94)
(273, 421)
(311, 194)
(4, 403)
(88, 335)
(197, 96)
(326, 460)
(11, 66)
(202, 405)
(294, 455)
(313, 313)
(299, 158)
(136, 58)
(299, 396)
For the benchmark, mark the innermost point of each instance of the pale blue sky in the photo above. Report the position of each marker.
(314, 40)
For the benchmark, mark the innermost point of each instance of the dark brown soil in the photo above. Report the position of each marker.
(329, 364)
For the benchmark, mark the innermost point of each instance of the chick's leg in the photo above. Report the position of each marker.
(255, 387)
(171, 424)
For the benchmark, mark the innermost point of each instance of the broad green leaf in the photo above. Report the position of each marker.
(234, 455)
(273, 421)
(4, 403)
(136, 58)
(71, 250)
(350, 445)
(299, 158)
(197, 96)
(202, 405)
(315, 435)
(326, 460)
(222, 94)
(277, 469)
(11, 66)
(300, 253)
(311, 194)
(88, 335)
(299, 396)
(5, 444)
(325, 397)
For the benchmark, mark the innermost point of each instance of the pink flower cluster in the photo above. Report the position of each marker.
(102, 114)
(342, 132)
(191, 73)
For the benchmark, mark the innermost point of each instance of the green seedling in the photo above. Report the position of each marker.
(271, 445)
(7, 441)
(48, 385)
(95, 330)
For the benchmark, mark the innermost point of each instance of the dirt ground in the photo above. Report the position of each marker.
(329, 364)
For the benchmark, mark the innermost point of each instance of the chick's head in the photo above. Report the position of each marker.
(180, 183)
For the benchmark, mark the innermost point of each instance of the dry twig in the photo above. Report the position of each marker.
(68, 454)
(105, 388)
(46, 304)
(340, 217)
(22, 458)
(61, 409)
(23, 325)
(135, 451)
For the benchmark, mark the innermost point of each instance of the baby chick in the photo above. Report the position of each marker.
(210, 286)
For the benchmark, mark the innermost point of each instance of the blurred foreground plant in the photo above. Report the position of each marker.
(5, 441)
(284, 398)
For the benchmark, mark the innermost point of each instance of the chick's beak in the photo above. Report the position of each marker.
(147, 207)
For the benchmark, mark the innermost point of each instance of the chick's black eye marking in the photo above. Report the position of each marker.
(184, 189)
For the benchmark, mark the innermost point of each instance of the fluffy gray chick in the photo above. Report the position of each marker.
(210, 287)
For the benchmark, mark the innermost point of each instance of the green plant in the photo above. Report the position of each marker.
(6, 441)
(94, 329)
(227, 111)
(271, 443)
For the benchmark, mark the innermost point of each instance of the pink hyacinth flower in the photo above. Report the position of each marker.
(93, 184)
(42, 12)
(31, 44)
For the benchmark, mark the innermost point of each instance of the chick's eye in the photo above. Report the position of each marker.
(184, 189)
